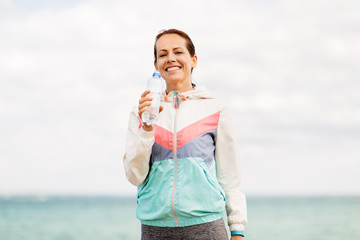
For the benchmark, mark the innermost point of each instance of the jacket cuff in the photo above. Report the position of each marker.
(147, 135)
(237, 227)
(240, 233)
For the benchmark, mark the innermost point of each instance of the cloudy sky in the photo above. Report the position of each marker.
(70, 71)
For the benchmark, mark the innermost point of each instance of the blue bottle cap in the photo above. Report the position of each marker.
(157, 74)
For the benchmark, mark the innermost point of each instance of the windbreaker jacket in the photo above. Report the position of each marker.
(187, 169)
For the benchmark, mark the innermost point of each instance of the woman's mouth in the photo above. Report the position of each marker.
(172, 69)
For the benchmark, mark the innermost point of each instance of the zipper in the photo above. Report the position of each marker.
(176, 106)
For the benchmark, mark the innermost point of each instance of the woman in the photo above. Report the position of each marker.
(186, 166)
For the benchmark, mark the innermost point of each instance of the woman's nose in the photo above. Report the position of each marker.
(171, 58)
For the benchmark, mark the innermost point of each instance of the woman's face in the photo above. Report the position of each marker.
(174, 61)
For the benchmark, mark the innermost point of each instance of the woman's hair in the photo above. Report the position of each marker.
(189, 44)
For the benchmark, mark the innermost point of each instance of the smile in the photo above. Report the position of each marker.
(172, 69)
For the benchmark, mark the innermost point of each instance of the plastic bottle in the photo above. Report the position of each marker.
(155, 85)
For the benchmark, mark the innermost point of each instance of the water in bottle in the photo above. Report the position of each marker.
(155, 85)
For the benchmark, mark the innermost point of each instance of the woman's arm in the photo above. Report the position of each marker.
(138, 150)
(228, 172)
(140, 138)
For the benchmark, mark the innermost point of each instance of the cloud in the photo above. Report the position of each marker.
(70, 75)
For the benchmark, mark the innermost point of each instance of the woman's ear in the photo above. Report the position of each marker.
(155, 65)
(194, 61)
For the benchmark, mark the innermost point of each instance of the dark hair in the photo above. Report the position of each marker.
(189, 44)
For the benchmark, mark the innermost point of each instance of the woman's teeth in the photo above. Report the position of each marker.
(172, 69)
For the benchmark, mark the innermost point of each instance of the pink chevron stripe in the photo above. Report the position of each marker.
(163, 137)
(196, 129)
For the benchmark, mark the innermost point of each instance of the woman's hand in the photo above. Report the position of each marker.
(144, 102)
(236, 237)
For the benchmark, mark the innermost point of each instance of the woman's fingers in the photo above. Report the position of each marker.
(145, 93)
(144, 97)
(144, 105)
(144, 102)
(141, 112)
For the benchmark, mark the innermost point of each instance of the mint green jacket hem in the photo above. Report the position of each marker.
(183, 222)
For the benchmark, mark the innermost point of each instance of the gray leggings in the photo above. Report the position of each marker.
(207, 231)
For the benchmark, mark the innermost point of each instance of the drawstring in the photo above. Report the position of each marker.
(177, 97)
(176, 100)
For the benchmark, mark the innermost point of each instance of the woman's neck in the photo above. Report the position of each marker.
(178, 87)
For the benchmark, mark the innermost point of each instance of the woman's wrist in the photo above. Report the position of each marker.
(148, 128)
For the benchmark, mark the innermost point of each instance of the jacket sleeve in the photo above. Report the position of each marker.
(138, 150)
(228, 173)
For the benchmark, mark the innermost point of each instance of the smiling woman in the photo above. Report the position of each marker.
(186, 166)
(174, 61)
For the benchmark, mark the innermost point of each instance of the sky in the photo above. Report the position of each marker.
(71, 71)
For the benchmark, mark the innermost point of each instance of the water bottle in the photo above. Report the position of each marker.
(155, 85)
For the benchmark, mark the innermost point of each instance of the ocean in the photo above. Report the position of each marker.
(113, 218)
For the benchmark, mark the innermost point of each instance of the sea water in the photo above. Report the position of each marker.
(113, 218)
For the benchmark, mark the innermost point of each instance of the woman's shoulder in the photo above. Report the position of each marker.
(205, 100)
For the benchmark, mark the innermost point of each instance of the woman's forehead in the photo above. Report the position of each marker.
(170, 41)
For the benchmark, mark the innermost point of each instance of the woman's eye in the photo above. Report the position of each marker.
(178, 52)
(162, 55)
